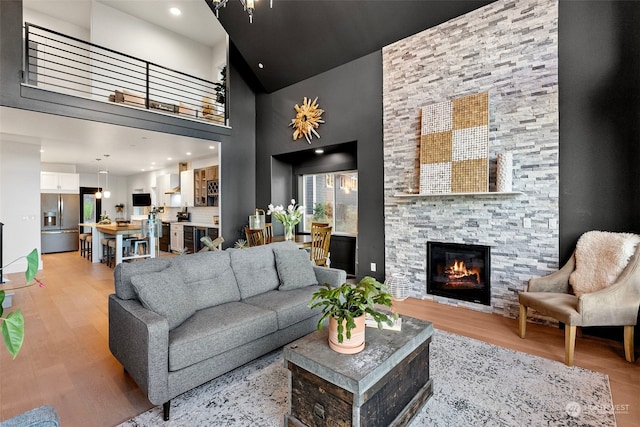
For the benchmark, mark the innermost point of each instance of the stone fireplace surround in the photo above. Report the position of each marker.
(508, 48)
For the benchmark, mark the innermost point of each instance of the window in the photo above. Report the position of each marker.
(333, 198)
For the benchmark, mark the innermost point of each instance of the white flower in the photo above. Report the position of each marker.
(289, 217)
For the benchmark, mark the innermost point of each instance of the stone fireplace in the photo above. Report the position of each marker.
(459, 271)
(510, 50)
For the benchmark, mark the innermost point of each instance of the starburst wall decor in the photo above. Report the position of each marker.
(307, 120)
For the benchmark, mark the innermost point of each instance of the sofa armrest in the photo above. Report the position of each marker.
(42, 416)
(333, 276)
(139, 339)
(558, 281)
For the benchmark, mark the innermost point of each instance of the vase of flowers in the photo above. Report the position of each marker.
(288, 217)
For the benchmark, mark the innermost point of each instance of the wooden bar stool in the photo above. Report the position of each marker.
(108, 250)
(82, 237)
(88, 247)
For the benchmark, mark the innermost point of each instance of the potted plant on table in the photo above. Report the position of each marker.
(346, 307)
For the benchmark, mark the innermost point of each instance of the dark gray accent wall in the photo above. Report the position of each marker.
(238, 158)
(351, 96)
(599, 84)
(10, 49)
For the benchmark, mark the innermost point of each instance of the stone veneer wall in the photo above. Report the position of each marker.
(509, 48)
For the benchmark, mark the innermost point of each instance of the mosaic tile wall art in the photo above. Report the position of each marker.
(454, 146)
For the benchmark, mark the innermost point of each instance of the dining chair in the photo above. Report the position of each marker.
(320, 239)
(268, 232)
(255, 237)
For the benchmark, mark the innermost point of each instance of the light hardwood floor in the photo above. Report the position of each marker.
(65, 361)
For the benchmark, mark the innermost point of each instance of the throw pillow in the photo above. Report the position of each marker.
(165, 293)
(600, 258)
(294, 269)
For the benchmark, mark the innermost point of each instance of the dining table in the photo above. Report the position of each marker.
(302, 240)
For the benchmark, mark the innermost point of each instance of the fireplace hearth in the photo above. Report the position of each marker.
(459, 271)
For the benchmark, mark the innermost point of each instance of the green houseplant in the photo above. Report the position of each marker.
(13, 323)
(348, 303)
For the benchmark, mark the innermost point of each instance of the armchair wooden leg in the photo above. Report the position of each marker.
(166, 409)
(522, 321)
(628, 344)
(569, 344)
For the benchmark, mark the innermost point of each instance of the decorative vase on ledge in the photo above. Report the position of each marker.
(504, 172)
(288, 232)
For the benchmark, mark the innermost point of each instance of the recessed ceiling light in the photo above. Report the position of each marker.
(169, 158)
(319, 151)
(212, 147)
(142, 170)
(188, 153)
(260, 65)
(153, 163)
(175, 11)
(42, 150)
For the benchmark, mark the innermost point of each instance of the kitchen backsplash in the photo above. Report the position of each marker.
(200, 215)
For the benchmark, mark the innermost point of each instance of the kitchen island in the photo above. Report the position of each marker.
(119, 231)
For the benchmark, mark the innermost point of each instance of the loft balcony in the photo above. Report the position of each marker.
(64, 64)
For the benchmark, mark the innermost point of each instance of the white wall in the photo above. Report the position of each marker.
(155, 44)
(19, 204)
(48, 61)
(47, 21)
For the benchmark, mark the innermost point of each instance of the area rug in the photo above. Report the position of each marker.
(474, 383)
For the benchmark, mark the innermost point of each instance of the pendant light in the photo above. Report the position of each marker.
(98, 193)
(106, 191)
(249, 6)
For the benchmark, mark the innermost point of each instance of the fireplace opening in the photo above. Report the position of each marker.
(459, 271)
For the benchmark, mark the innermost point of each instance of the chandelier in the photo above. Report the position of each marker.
(249, 6)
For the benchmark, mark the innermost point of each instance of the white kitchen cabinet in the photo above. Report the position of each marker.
(165, 183)
(177, 237)
(186, 187)
(58, 182)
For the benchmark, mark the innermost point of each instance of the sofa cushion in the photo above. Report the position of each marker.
(123, 273)
(214, 330)
(255, 270)
(165, 293)
(295, 269)
(290, 306)
(209, 276)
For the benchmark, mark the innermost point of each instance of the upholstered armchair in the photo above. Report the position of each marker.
(598, 286)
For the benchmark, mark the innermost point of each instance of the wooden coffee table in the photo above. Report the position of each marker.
(384, 385)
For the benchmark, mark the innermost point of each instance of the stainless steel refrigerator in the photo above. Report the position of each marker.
(60, 218)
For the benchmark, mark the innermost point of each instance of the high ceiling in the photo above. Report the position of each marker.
(298, 39)
(295, 40)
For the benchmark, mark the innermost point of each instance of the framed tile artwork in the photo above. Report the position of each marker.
(454, 146)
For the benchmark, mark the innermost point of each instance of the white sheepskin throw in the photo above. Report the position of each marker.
(600, 258)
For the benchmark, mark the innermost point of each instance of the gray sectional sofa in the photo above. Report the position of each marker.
(178, 322)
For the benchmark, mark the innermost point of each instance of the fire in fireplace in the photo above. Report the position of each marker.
(459, 271)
